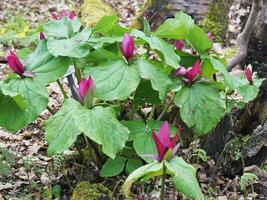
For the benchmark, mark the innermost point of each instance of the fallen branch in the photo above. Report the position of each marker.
(243, 37)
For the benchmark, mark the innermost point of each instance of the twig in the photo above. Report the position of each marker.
(243, 37)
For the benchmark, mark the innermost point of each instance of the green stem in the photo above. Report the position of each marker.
(50, 110)
(162, 192)
(62, 89)
(151, 114)
(77, 70)
(252, 190)
(165, 109)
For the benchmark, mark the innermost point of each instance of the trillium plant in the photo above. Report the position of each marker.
(121, 83)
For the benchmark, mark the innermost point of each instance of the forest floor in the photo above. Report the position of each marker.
(26, 172)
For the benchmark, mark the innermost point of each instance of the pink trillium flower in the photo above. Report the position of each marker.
(42, 36)
(248, 75)
(63, 13)
(179, 44)
(128, 46)
(163, 141)
(210, 36)
(189, 73)
(15, 64)
(85, 87)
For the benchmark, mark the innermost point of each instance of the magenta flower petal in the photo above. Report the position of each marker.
(160, 147)
(128, 46)
(248, 74)
(15, 64)
(173, 141)
(54, 15)
(210, 36)
(72, 14)
(85, 86)
(179, 44)
(164, 134)
(192, 72)
(42, 36)
(63, 13)
(179, 71)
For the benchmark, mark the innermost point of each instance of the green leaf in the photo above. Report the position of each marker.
(248, 91)
(145, 94)
(113, 167)
(101, 126)
(223, 69)
(247, 179)
(176, 28)
(105, 24)
(60, 131)
(157, 43)
(198, 39)
(160, 81)
(149, 170)
(187, 59)
(114, 80)
(132, 165)
(62, 28)
(201, 106)
(29, 99)
(104, 41)
(44, 66)
(184, 178)
(75, 47)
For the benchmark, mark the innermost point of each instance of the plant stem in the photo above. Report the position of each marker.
(50, 110)
(165, 109)
(77, 70)
(162, 192)
(96, 154)
(252, 190)
(62, 89)
(151, 114)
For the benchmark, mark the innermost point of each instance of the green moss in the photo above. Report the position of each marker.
(229, 52)
(86, 190)
(216, 20)
(93, 10)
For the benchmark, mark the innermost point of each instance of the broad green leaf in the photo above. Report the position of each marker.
(58, 28)
(175, 28)
(75, 47)
(35, 98)
(201, 106)
(133, 164)
(160, 81)
(105, 24)
(149, 170)
(101, 126)
(60, 131)
(141, 134)
(207, 69)
(223, 69)
(114, 80)
(157, 43)
(101, 55)
(247, 91)
(145, 94)
(16, 97)
(199, 40)
(44, 66)
(113, 167)
(184, 178)
(97, 42)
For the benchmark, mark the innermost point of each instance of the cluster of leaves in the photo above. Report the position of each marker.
(96, 52)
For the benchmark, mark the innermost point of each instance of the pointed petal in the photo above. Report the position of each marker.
(248, 74)
(54, 15)
(14, 63)
(82, 88)
(42, 36)
(160, 147)
(63, 13)
(179, 44)
(128, 46)
(210, 36)
(164, 134)
(173, 141)
(175, 149)
(72, 14)
(179, 71)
